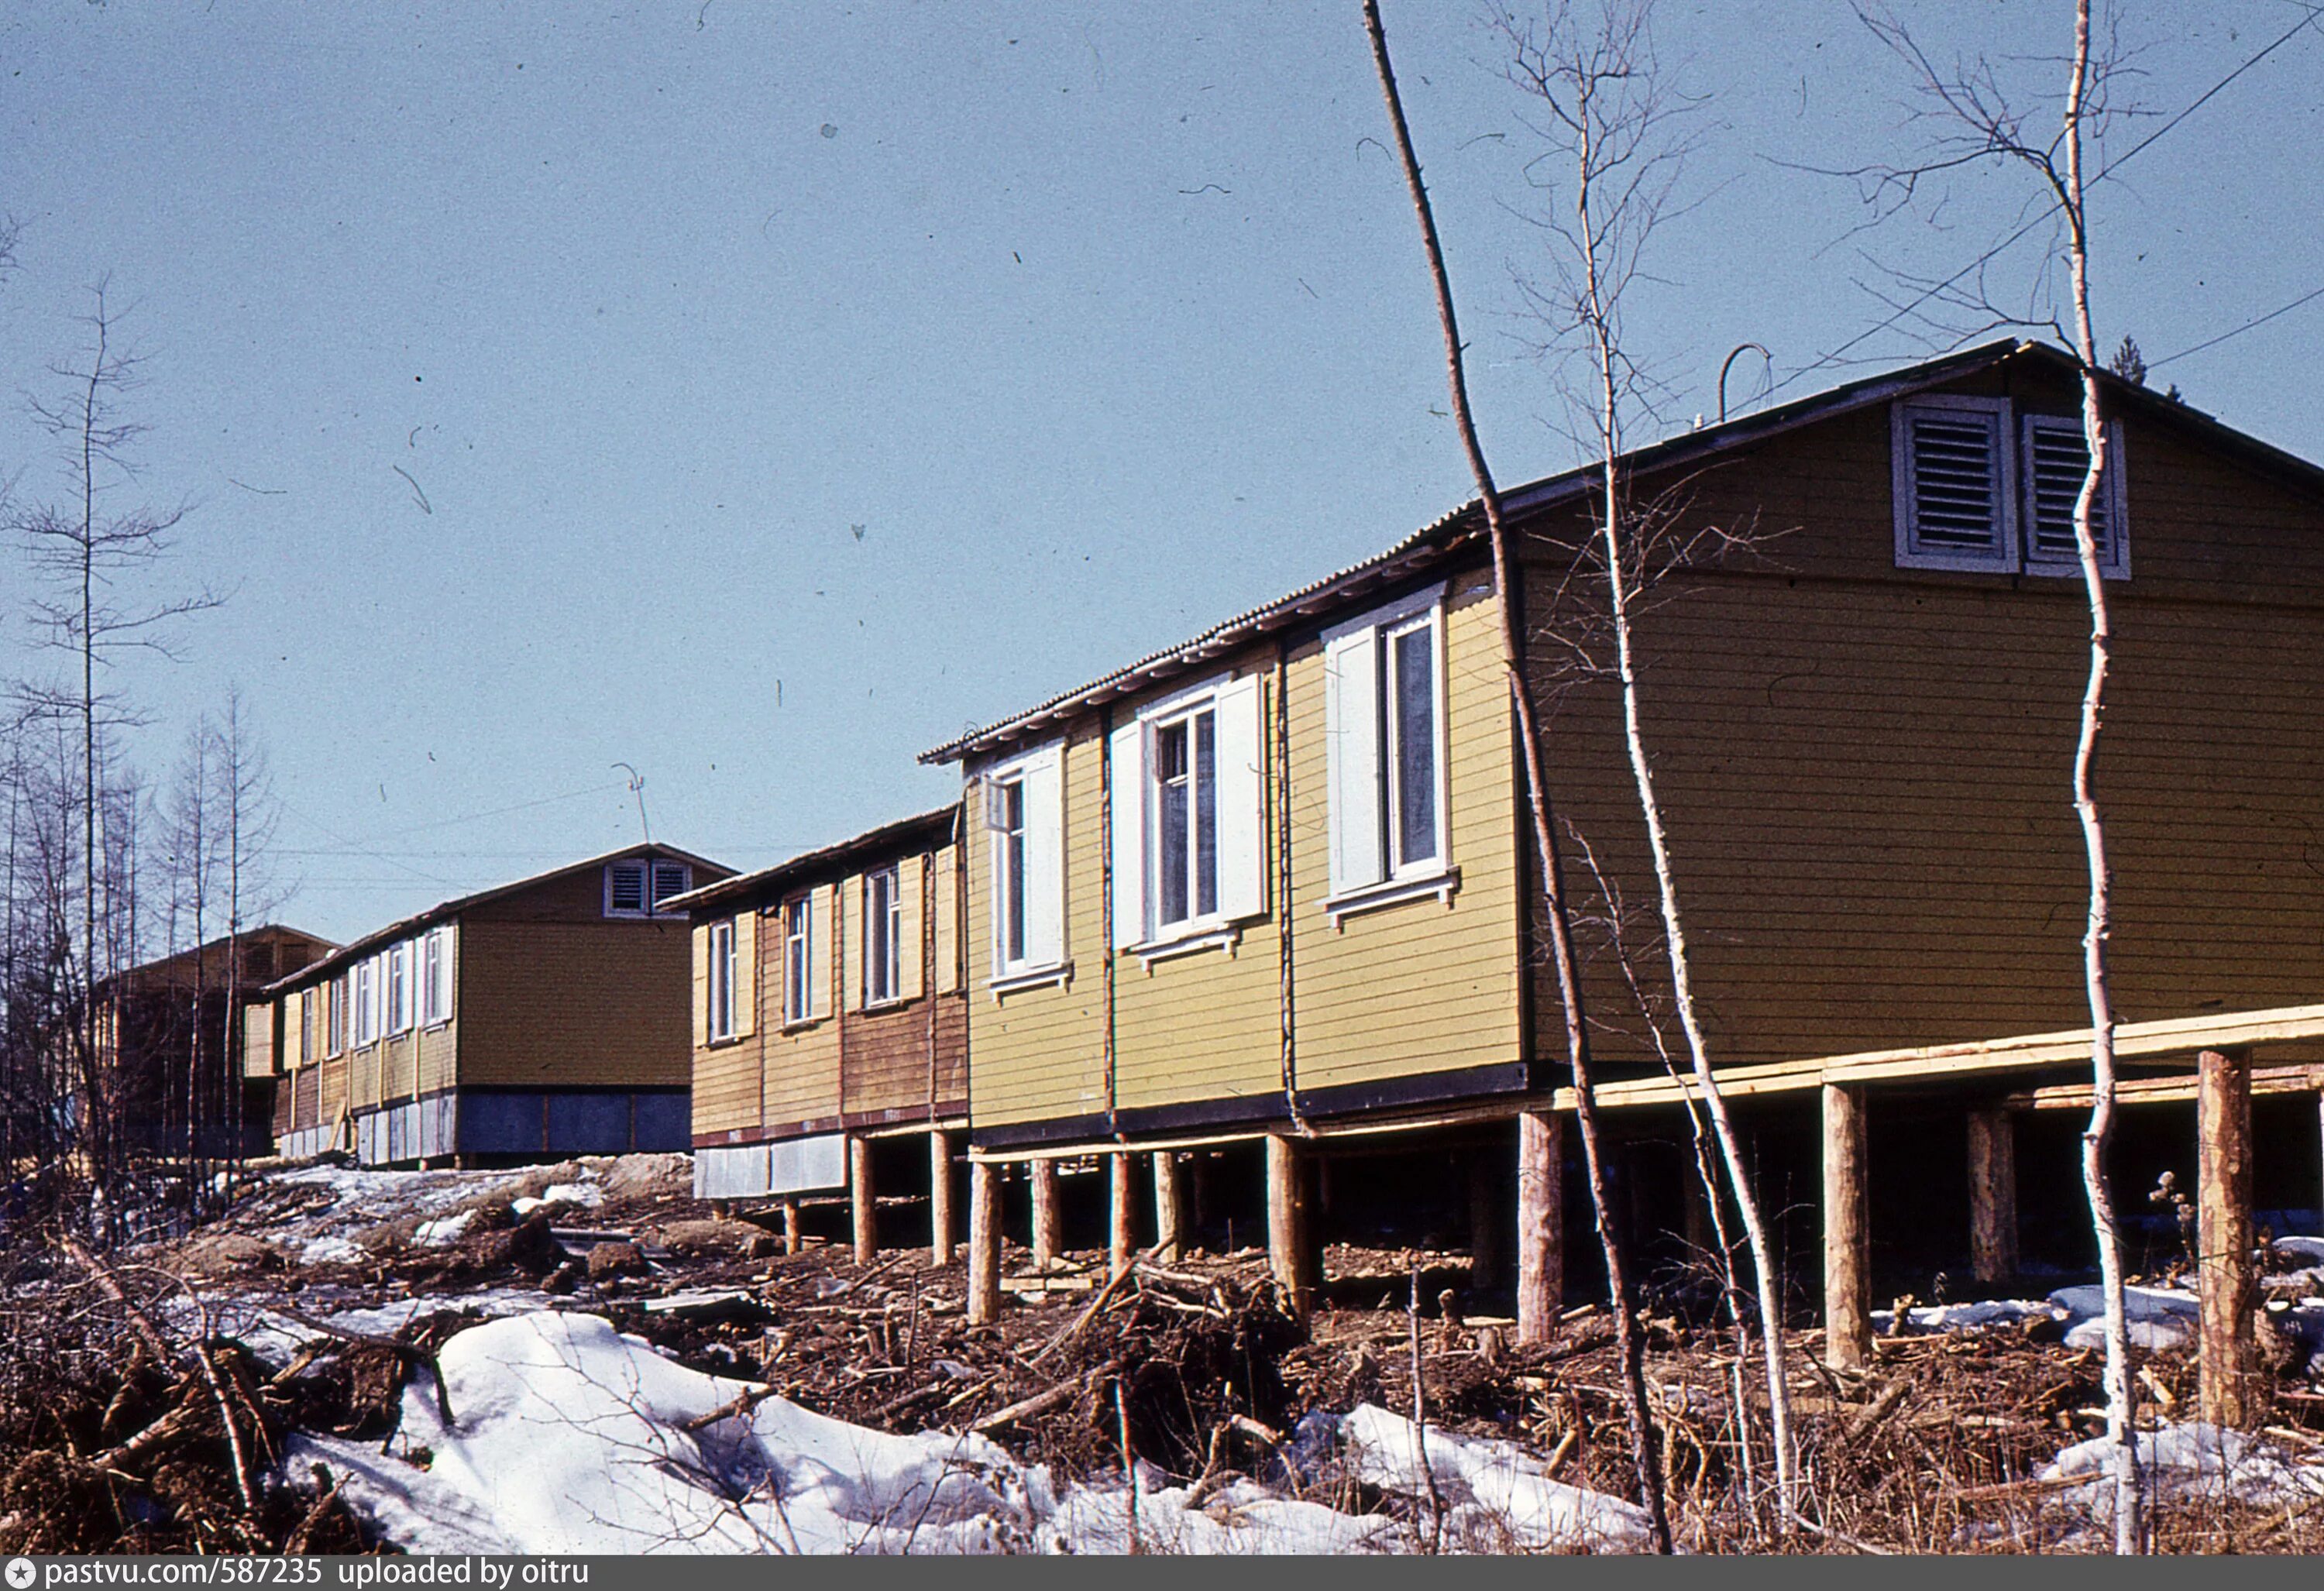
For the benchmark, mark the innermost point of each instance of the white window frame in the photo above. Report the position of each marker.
(655, 893)
(435, 972)
(365, 990)
(1181, 711)
(307, 1050)
(398, 989)
(2115, 563)
(722, 981)
(1399, 879)
(799, 961)
(1031, 968)
(883, 939)
(335, 1017)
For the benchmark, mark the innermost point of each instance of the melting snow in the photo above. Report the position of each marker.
(569, 1438)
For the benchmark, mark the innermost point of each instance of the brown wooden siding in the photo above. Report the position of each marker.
(562, 1003)
(847, 1066)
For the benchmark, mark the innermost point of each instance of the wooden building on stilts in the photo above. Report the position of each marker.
(831, 1034)
(1249, 931)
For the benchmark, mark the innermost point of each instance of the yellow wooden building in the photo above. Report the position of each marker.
(1277, 883)
(542, 1018)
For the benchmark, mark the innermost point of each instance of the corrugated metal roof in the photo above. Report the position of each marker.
(904, 833)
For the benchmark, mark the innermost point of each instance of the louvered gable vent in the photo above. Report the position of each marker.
(1952, 485)
(2055, 459)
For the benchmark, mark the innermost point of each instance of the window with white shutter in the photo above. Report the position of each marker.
(1025, 830)
(1188, 812)
(2056, 458)
(436, 977)
(399, 988)
(1954, 508)
(799, 961)
(1390, 834)
(883, 936)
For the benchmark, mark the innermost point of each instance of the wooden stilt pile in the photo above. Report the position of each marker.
(1847, 1285)
(2225, 1272)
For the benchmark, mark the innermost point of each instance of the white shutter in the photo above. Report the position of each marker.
(1241, 785)
(822, 964)
(746, 972)
(1351, 735)
(701, 986)
(444, 984)
(1045, 870)
(1129, 764)
(912, 882)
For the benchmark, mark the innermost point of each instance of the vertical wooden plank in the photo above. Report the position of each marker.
(1288, 1237)
(1992, 1195)
(794, 1241)
(940, 1217)
(1847, 1287)
(1541, 1223)
(2224, 1270)
(1122, 1229)
(863, 1201)
(1169, 1207)
(1484, 1225)
(1046, 1244)
(983, 1305)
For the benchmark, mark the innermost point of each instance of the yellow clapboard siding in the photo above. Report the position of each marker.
(1040, 1053)
(575, 1004)
(1417, 986)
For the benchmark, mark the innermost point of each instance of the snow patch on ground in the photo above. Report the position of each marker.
(571, 1438)
(445, 1230)
(2190, 1459)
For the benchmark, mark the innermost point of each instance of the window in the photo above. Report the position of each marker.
(366, 1001)
(1384, 727)
(334, 1015)
(722, 980)
(1008, 866)
(436, 977)
(670, 879)
(799, 961)
(399, 988)
(2056, 458)
(883, 938)
(307, 998)
(1188, 816)
(1975, 492)
(1024, 820)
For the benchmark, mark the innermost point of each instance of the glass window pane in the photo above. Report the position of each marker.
(1171, 818)
(1012, 818)
(1207, 814)
(1416, 745)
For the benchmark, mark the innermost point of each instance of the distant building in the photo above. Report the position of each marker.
(543, 1019)
(167, 1029)
(830, 1002)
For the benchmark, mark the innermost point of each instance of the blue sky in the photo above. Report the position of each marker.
(761, 395)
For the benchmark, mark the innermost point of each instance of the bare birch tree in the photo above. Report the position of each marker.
(1645, 1454)
(1982, 123)
(1614, 158)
